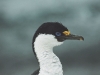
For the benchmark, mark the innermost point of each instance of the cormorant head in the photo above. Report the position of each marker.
(53, 34)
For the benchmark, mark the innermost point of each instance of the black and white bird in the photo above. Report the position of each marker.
(47, 36)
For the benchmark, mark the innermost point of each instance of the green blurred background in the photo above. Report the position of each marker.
(19, 20)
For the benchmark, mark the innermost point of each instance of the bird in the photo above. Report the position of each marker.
(46, 37)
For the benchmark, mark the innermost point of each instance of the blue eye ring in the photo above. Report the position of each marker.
(58, 34)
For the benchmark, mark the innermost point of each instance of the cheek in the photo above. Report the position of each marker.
(55, 42)
(48, 40)
(61, 38)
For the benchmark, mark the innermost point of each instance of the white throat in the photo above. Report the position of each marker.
(49, 62)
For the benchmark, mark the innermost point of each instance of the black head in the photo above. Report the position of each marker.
(60, 32)
(53, 28)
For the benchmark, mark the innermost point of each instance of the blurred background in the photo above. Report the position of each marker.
(19, 20)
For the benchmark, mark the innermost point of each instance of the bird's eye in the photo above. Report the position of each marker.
(58, 34)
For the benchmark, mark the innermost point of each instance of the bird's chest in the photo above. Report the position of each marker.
(50, 65)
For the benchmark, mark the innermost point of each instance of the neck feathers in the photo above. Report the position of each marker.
(48, 61)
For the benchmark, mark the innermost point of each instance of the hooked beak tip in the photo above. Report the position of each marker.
(81, 39)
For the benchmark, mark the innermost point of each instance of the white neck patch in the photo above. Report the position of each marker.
(47, 40)
(49, 62)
